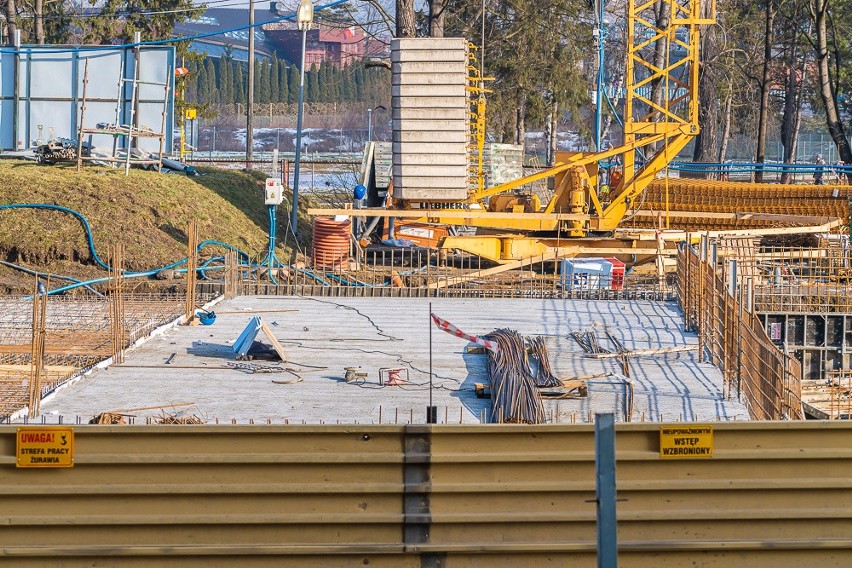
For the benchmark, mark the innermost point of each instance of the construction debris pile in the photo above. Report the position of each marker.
(514, 384)
(59, 150)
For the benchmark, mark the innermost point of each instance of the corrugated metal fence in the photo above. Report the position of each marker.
(734, 339)
(773, 494)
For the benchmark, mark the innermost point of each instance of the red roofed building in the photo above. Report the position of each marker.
(340, 47)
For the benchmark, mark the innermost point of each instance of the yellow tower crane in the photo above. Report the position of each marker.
(658, 127)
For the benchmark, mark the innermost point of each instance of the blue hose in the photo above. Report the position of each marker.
(244, 257)
(79, 217)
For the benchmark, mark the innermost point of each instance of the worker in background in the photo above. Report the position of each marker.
(818, 171)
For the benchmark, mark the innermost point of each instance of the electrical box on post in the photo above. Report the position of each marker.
(274, 191)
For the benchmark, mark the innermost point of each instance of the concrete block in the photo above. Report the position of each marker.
(419, 90)
(425, 113)
(429, 194)
(450, 78)
(428, 43)
(438, 136)
(428, 67)
(430, 125)
(430, 147)
(434, 159)
(430, 102)
(438, 171)
(428, 55)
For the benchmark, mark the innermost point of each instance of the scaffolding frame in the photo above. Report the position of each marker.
(130, 131)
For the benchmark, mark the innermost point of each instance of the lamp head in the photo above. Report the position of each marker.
(305, 14)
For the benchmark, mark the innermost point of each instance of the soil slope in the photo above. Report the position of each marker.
(149, 212)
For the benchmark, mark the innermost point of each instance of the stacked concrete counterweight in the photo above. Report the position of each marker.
(430, 119)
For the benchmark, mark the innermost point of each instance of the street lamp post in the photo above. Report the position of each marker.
(370, 121)
(304, 17)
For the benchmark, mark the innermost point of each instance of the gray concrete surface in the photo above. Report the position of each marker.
(322, 336)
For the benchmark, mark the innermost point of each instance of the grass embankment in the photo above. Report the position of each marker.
(148, 212)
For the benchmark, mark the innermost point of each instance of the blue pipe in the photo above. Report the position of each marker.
(47, 275)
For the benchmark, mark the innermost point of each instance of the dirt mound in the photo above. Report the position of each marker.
(147, 211)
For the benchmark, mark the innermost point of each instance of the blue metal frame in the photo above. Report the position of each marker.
(75, 56)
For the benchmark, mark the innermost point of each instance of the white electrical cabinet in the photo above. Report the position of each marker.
(274, 191)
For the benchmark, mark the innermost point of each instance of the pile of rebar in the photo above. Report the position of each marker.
(545, 376)
(588, 340)
(514, 385)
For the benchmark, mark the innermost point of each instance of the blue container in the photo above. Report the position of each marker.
(207, 318)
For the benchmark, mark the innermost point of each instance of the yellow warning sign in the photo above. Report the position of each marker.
(686, 442)
(48, 446)
(190, 114)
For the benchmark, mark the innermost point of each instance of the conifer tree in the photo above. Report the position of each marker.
(257, 90)
(201, 93)
(226, 81)
(293, 95)
(324, 93)
(312, 92)
(210, 91)
(283, 82)
(239, 85)
(273, 79)
(262, 92)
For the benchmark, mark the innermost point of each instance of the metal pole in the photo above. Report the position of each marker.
(432, 411)
(369, 124)
(294, 217)
(606, 490)
(600, 80)
(250, 90)
(16, 127)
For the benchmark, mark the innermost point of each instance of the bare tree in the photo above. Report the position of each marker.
(405, 19)
(796, 79)
(38, 17)
(707, 142)
(827, 88)
(11, 12)
(437, 9)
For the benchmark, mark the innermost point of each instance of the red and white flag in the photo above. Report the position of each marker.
(453, 330)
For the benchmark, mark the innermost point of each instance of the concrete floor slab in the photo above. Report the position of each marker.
(323, 336)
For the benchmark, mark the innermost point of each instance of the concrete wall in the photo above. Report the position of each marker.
(774, 494)
(430, 119)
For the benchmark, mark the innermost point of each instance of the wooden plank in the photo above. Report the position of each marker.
(549, 255)
(60, 350)
(57, 369)
(643, 352)
(274, 340)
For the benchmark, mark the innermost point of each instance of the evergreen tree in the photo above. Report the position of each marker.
(239, 85)
(358, 80)
(312, 91)
(117, 20)
(351, 87)
(324, 93)
(283, 83)
(211, 92)
(338, 75)
(293, 95)
(262, 92)
(201, 94)
(191, 81)
(257, 89)
(226, 81)
(273, 79)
